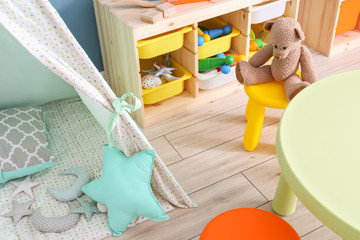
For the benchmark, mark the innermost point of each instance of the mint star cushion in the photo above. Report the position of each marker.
(124, 187)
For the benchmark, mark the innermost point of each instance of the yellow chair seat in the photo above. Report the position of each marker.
(271, 94)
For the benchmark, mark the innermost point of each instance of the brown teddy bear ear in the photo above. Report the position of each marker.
(299, 33)
(268, 25)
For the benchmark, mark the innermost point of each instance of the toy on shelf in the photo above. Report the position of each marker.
(217, 32)
(285, 46)
(253, 46)
(255, 43)
(261, 33)
(150, 81)
(157, 74)
(169, 88)
(237, 58)
(161, 71)
(220, 44)
(221, 75)
(205, 35)
(202, 37)
(162, 8)
(219, 60)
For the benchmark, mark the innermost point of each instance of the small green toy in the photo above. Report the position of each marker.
(212, 63)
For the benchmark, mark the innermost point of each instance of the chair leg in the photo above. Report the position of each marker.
(248, 109)
(255, 115)
(285, 200)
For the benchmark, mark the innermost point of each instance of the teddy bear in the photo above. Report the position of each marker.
(288, 52)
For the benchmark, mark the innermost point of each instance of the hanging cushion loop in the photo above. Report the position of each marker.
(120, 105)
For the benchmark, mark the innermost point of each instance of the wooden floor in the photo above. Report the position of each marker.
(203, 148)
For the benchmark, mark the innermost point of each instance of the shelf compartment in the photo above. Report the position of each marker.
(163, 43)
(218, 45)
(348, 16)
(267, 11)
(213, 79)
(346, 41)
(167, 89)
(319, 20)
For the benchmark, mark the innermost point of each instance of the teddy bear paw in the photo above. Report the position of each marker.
(243, 70)
(238, 72)
(297, 89)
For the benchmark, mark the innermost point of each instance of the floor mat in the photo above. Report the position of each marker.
(76, 140)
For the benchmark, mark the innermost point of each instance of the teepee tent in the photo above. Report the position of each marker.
(40, 29)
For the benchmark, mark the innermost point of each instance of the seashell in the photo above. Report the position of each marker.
(150, 81)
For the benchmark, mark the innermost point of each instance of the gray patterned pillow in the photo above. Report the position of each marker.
(23, 143)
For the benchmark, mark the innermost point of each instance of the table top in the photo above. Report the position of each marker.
(318, 148)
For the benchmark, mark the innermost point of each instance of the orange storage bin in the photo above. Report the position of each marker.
(348, 16)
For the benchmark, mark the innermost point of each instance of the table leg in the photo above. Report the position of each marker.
(285, 200)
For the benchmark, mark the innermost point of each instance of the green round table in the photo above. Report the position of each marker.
(318, 149)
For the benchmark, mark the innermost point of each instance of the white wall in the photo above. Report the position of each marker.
(23, 79)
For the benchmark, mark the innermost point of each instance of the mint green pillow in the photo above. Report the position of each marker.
(124, 187)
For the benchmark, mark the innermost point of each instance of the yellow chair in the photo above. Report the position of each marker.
(271, 94)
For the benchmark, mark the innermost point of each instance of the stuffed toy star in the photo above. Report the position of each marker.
(88, 208)
(20, 210)
(124, 187)
(164, 71)
(24, 186)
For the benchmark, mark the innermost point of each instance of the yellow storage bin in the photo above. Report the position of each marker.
(168, 89)
(163, 43)
(218, 45)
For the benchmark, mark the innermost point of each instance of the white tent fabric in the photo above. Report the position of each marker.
(40, 29)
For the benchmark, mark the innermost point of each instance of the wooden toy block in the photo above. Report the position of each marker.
(167, 8)
(152, 16)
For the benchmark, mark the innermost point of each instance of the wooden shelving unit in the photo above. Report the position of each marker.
(319, 20)
(120, 27)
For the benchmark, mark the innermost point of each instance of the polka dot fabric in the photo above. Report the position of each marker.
(37, 25)
(8, 235)
(39, 28)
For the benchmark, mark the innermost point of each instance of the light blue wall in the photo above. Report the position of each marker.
(23, 79)
(79, 16)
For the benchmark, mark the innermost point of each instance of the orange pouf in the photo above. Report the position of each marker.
(248, 224)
